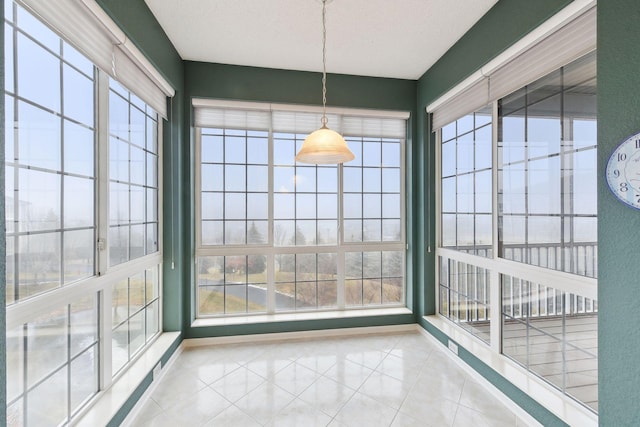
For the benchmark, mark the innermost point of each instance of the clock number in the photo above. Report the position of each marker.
(616, 173)
(624, 187)
(622, 157)
(638, 198)
(637, 143)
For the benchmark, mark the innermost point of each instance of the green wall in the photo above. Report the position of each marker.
(219, 81)
(618, 225)
(137, 21)
(502, 26)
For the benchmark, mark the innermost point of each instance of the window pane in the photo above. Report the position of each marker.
(39, 142)
(39, 73)
(548, 169)
(466, 182)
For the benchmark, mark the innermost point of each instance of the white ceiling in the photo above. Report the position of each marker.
(381, 38)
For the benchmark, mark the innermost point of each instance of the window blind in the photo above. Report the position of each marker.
(89, 29)
(573, 38)
(298, 119)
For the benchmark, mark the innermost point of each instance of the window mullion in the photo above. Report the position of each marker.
(495, 294)
(102, 169)
(271, 259)
(102, 214)
(340, 260)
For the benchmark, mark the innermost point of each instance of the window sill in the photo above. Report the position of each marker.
(110, 401)
(301, 316)
(548, 396)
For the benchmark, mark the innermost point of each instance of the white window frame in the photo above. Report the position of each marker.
(100, 285)
(566, 408)
(269, 249)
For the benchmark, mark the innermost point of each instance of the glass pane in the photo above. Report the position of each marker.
(39, 73)
(38, 137)
(78, 254)
(15, 362)
(212, 177)
(327, 179)
(118, 245)
(152, 320)
(136, 332)
(235, 178)
(151, 284)
(51, 398)
(257, 206)
(327, 206)
(257, 150)
(78, 202)
(39, 196)
(212, 232)
(118, 160)
(235, 206)
(39, 263)
(211, 147)
(120, 302)
(372, 180)
(352, 181)
(118, 117)
(137, 285)
(391, 180)
(118, 203)
(284, 205)
(234, 149)
(47, 345)
(137, 160)
(137, 125)
(78, 96)
(119, 347)
(257, 178)
(305, 179)
(78, 149)
(84, 377)
(305, 206)
(257, 233)
(84, 324)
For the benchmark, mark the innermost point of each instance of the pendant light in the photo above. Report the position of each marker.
(324, 146)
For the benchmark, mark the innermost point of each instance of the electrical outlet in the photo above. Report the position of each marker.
(156, 371)
(453, 347)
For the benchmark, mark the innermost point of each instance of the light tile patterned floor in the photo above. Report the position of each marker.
(374, 380)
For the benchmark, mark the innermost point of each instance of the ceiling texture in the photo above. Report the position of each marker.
(379, 38)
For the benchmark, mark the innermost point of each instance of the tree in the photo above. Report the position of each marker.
(256, 264)
(254, 236)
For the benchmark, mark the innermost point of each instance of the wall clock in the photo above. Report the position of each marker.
(623, 171)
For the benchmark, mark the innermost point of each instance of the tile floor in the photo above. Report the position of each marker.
(374, 380)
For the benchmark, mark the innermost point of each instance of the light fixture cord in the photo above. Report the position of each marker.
(324, 63)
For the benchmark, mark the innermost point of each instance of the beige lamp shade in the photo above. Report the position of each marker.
(324, 146)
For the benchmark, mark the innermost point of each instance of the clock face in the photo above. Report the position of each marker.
(623, 171)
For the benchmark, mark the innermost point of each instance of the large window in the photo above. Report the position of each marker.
(276, 235)
(466, 198)
(547, 171)
(81, 195)
(518, 220)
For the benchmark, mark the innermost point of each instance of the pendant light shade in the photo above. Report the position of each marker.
(324, 146)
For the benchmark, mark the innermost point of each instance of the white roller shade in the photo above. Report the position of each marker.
(569, 43)
(472, 99)
(231, 118)
(302, 122)
(374, 126)
(297, 118)
(89, 29)
(564, 38)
